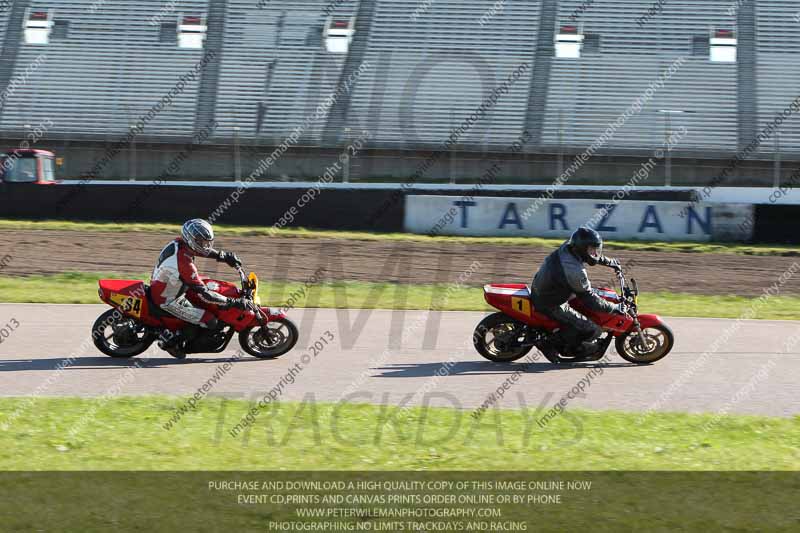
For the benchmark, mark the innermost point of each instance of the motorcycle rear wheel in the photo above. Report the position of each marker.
(280, 336)
(660, 341)
(500, 348)
(117, 335)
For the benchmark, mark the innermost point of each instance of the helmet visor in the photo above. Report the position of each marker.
(203, 245)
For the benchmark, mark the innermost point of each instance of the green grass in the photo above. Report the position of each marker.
(120, 469)
(687, 247)
(128, 434)
(81, 288)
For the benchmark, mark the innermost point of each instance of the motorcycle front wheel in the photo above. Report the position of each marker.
(117, 335)
(274, 339)
(658, 342)
(496, 339)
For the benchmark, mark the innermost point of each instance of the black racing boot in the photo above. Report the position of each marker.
(549, 351)
(588, 351)
(174, 344)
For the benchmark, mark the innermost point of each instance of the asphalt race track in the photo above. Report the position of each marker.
(754, 373)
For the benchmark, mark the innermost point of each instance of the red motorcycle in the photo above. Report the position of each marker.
(509, 335)
(136, 321)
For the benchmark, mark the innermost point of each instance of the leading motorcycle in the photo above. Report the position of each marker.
(518, 327)
(135, 321)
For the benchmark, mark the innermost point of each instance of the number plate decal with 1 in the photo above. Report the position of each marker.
(523, 305)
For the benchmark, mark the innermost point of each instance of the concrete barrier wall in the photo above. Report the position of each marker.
(331, 209)
(383, 208)
(532, 217)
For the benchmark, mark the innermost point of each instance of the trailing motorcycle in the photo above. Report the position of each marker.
(518, 328)
(135, 321)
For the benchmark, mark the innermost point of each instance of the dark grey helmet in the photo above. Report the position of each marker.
(199, 236)
(587, 244)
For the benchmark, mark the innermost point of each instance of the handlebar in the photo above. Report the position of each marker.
(242, 275)
(246, 288)
(247, 293)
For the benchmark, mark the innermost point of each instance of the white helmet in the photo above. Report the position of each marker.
(199, 236)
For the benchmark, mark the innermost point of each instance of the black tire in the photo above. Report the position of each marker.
(494, 324)
(288, 338)
(107, 343)
(664, 341)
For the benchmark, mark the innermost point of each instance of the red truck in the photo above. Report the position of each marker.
(27, 166)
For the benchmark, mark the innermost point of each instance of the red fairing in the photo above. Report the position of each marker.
(130, 287)
(274, 313)
(514, 300)
(237, 318)
(649, 321)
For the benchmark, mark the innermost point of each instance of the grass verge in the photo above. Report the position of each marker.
(129, 434)
(81, 288)
(687, 247)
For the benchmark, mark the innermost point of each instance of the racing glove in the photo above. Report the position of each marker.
(237, 303)
(610, 262)
(620, 309)
(230, 259)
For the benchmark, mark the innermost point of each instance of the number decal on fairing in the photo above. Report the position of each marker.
(522, 305)
(128, 304)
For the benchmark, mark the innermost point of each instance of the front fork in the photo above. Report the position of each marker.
(640, 336)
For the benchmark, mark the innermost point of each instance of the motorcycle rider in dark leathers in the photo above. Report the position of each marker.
(563, 274)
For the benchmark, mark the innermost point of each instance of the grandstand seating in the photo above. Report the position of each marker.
(110, 70)
(586, 95)
(428, 65)
(778, 67)
(274, 70)
(436, 69)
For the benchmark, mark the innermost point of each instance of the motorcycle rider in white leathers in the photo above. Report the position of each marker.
(175, 275)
